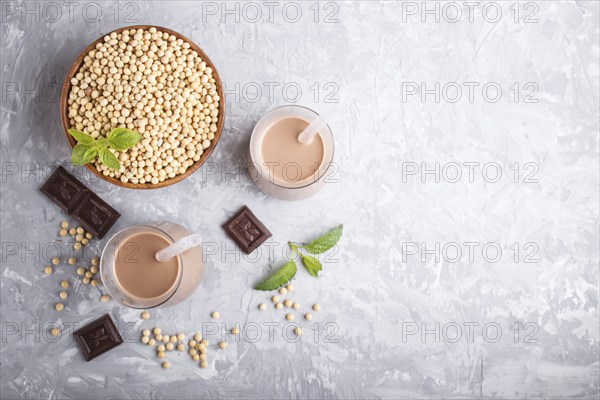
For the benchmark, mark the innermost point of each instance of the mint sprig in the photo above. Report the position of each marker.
(318, 246)
(88, 148)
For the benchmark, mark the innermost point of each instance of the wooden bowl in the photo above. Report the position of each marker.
(64, 108)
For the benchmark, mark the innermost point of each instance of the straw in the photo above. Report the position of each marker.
(308, 134)
(178, 247)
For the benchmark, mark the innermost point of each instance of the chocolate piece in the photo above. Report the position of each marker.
(246, 230)
(63, 189)
(95, 215)
(98, 337)
(75, 199)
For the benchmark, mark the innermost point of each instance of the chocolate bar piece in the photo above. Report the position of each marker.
(63, 189)
(98, 337)
(75, 199)
(246, 230)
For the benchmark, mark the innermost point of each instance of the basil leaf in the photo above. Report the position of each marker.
(109, 159)
(81, 137)
(90, 154)
(122, 138)
(312, 264)
(279, 278)
(325, 242)
(78, 156)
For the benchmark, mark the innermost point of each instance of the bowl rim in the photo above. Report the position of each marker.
(64, 109)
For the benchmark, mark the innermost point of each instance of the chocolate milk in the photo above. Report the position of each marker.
(280, 164)
(288, 159)
(137, 271)
(131, 274)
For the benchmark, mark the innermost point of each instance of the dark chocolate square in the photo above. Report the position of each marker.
(64, 190)
(246, 230)
(95, 215)
(98, 337)
(75, 199)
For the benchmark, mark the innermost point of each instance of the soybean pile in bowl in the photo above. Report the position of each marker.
(157, 82)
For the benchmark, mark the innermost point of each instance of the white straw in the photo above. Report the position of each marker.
(178, 247)
(308, 134)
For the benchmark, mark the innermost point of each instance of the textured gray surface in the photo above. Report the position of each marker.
(373, 289)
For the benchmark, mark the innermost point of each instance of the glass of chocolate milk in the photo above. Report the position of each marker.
(279, 163)
(132, 275)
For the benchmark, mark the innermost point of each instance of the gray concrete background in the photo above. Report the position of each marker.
(524, 324)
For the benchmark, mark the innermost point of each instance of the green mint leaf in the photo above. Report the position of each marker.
(312, 264)
(81, 137)
(279, 278)
(91, 153)
(78, 156)
(122, 138)
(109, 159)
(325, 242)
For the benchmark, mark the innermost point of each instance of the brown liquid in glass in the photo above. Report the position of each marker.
(285, 156)
(139, 273)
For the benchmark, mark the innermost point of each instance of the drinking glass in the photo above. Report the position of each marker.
(190, 265)
(265, 180)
